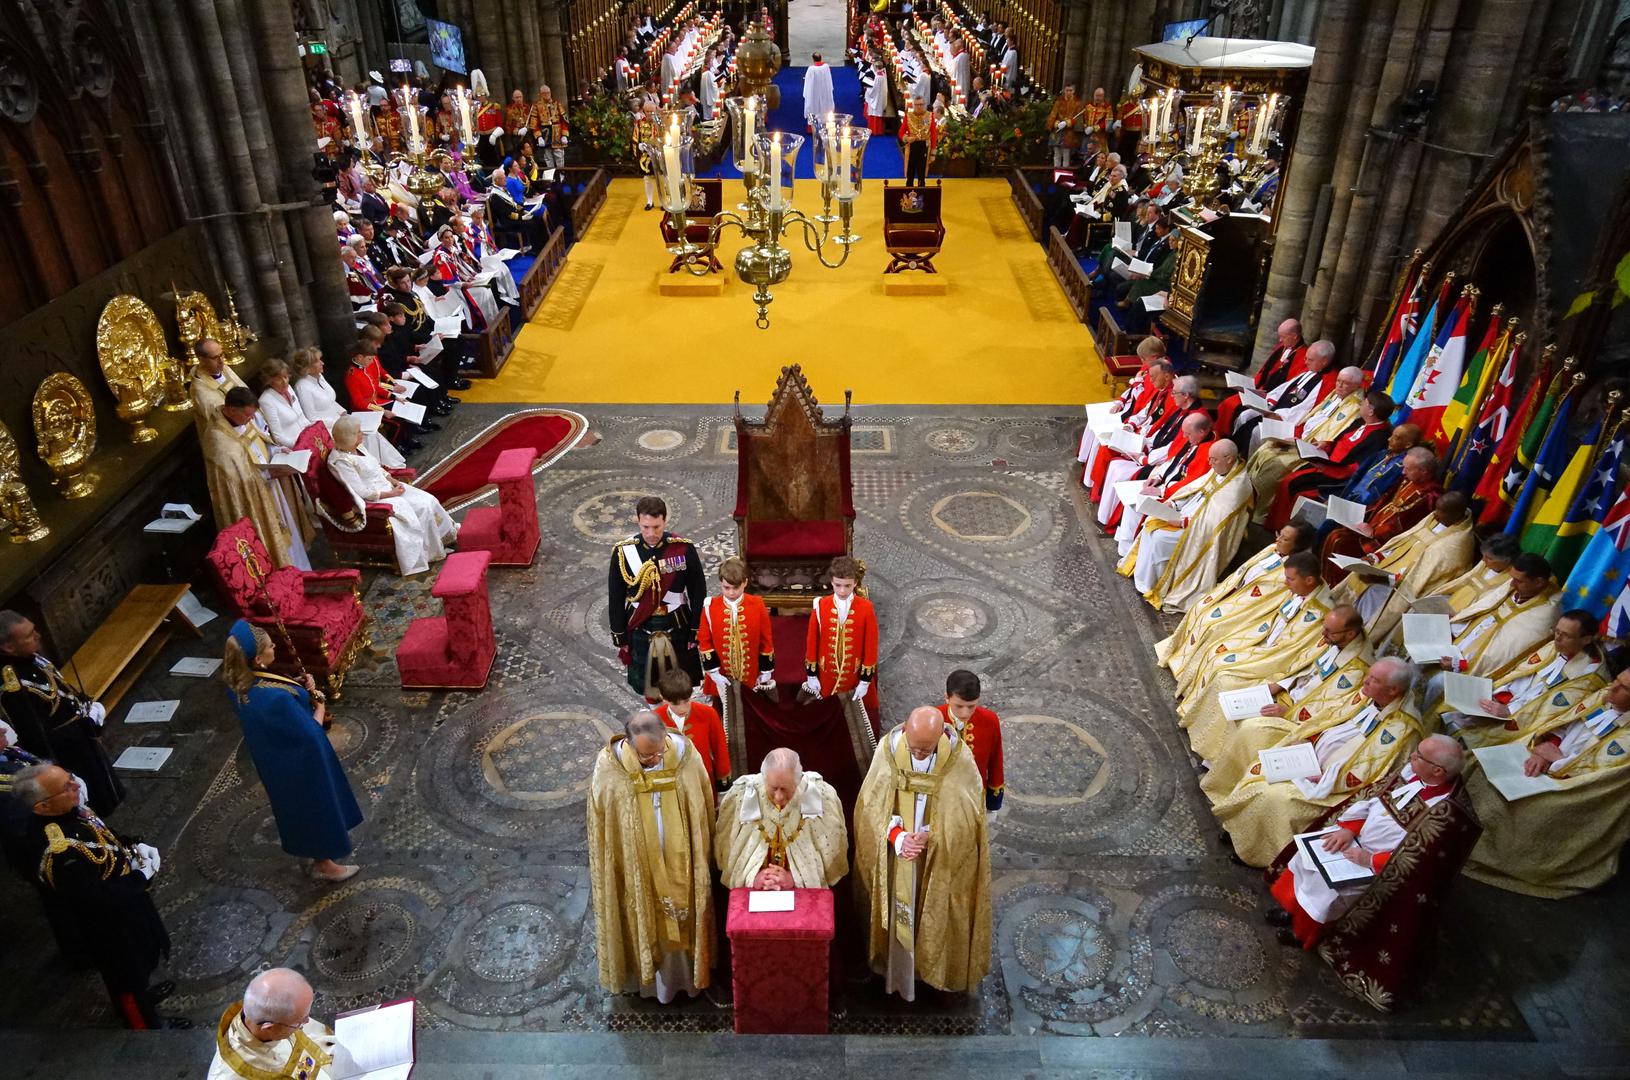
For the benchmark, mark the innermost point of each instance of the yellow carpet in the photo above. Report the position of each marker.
(1002, 335)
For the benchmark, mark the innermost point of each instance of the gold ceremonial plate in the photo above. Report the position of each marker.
(65, 425)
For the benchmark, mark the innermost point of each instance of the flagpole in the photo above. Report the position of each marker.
(1405, 279)
(1486, 376)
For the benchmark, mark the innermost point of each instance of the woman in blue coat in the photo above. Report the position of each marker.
(310, 795)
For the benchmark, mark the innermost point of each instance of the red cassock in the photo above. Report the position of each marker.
(705, 731)
(1404, 508)
(1156, 410)
(1282, 364)
(742, 646)
(842, 654)
(1351, 448)
(1198, 464)
(983, 737)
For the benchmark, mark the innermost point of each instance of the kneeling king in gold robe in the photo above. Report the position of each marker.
(781, 828)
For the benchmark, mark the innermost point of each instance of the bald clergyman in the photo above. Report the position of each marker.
(270, 1033)
(922, 860)
(650, 855)
(781, 828)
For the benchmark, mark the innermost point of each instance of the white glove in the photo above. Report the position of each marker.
(765, 678)
(813, 685)
(860, 689)
(84, 790)
(721, 681)
(146, 860)
(97, 714)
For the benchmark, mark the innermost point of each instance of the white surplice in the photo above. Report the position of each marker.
(817, 92)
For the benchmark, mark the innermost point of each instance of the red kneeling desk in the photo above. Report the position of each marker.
(780, 964)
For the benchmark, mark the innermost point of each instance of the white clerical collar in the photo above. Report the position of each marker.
(1438, 527)
(241, 429)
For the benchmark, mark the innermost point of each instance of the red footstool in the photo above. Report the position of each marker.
(779, 964)
(510, 529)
(455, 650)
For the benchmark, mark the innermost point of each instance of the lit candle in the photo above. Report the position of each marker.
(749, 116)
(358, 131)
(1199, 128)
(775, 171)
(466, 129)
(670, 158)
(1228, 99)
(846, 186)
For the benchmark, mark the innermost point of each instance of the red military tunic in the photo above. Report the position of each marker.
(740, 645)
(983, 737)
(705, 731)
(841, 655)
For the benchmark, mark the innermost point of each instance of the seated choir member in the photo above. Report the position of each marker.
(421, 528)
(1420, 559)
(1175, 563)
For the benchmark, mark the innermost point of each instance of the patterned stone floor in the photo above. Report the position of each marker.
(1117, 912)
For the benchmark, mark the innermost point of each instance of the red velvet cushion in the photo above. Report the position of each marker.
(918, 238)
(794, 539)
(513, 464)
(463, 573)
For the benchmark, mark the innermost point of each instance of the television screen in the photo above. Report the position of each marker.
(1179, 31)
(402, 65)
(446, 45)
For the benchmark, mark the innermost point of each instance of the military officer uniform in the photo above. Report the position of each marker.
(656, 596)
(53, 720)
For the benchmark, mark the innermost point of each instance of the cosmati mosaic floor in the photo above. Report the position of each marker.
(1117, 911)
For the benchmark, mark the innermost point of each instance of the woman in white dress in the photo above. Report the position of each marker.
(279, 405)
(318, 401)
(420, 526)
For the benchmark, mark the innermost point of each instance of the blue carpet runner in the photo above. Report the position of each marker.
(883, 160)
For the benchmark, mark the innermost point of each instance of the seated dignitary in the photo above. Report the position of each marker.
(1163, 440)
(1254, 642)
(1293, 399)
(1140, 421)
(1495, 629)
(1560, 842)
(1358, 738)
(1492, 573)
(420, 528)
(94, 889)
(1289, 358)
(50, 718)
(1353, 444)
(922, 860)
(1416, 562)
(1187, 460)
(1274, 459)
(1405, 505)
(1259, 581)
(1330, 667)
(650, 832)
(319, 402)
(1425, 797)
(1532, 690)
(1375, 479)
(270, 1033)
(781, 828)
(1174, 563)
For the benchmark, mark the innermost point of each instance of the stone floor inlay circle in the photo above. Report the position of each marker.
(660, 440)
(512, 943)
(363, 939)
(1063, 949)
(1216, 948)
(209, 940)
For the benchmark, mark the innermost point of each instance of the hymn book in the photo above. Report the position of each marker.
(1154, 302)
(151, 712)
(298, 460)
(196, 667)
(1245, 703)
(1333, 866)
(375, 1043)
(1428, 639)
(368, 422)
(407, 410)
(1462, 693)
(1240, 381)
(143, 758)
(1129, 443)
(419, 376)
(1294, 762)
(1310, 451)
(1250, 399)
(1361, 568)
(1153, 507)
(450, 325)
(1502, 767)
(1346, 512)
(1129, 492)
(1123, 235)
(1309, 510)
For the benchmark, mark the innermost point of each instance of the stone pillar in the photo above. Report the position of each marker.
(553, 41)
(532, 46)
(288, 114)
(1377, 39)
(1310, 165)
(1075, 46)
(487, 24)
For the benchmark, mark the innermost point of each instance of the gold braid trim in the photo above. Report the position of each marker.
(103, 853)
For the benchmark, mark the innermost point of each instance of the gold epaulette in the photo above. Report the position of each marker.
(8, 680)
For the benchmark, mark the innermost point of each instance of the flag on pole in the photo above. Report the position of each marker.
(1549, 462)
(1400, 332)
(1439, 375)
(1493, 417)
(1514, 455)
(1414, 354)
(1600, 578)
(1459, 414)
(1584, 516)
(1617, 623)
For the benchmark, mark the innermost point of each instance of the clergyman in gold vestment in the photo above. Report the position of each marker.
(650, 852)
(781, 828)
(922, 860)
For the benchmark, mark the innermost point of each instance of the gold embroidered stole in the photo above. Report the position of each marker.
(908, 784)
(305, 1059)
(669, 867)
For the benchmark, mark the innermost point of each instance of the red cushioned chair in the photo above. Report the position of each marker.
(706, 201)
(509, 531)
(912, 230)
(453, 650)
(358, 533)
(314, 616)
(795, 509)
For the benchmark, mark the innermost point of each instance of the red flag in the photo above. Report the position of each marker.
(1505, 451)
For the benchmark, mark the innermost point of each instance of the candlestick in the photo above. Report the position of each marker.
(775, 171)
(846, 185)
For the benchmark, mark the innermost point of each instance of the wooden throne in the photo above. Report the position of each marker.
(795, 508)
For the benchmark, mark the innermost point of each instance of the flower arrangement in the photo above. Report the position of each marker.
(603, 127)
(1014, 136)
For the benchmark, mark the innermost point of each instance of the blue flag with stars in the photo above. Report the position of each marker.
(1588, 511)
(1600, 575)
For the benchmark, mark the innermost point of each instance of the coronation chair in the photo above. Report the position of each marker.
(912, 230)
(359, 533)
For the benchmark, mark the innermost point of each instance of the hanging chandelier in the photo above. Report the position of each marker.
(766, 160)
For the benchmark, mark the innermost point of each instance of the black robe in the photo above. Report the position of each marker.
(53, 721)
